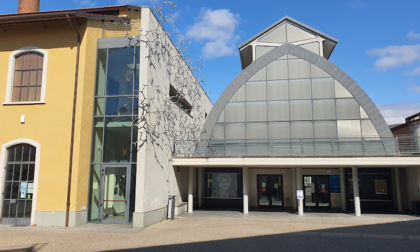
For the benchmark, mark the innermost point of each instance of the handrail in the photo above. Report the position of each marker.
(304, 147)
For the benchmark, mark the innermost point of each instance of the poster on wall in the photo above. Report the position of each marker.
(335, 184)
(380, 186)
(224, 185)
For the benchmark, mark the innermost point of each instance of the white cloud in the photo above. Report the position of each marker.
(413, 35)
(216, 28)
(415, 71)
(415, 89)
(396, 113)
(137, 2)
(394, 56)
(86, 3)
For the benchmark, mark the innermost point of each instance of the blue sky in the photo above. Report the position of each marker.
(378, 40)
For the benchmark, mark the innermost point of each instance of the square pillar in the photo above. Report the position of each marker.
(355, 178)
(398, 189)
(190, 189)
(245, 188)
(343, 189)
(299, 186)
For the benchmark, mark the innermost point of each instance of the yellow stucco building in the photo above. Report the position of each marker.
(50, 63)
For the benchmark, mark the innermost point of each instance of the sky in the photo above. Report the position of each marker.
(378, 40)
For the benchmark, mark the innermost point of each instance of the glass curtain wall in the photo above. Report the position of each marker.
(114, 133)
(293, 99)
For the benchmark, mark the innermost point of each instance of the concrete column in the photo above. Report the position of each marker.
(299, 187)
(343, 189)
(418, 181)
(245, 181)
(294, 187)
(190, 189)
(355, 178)
(200, 187)
(398, 189)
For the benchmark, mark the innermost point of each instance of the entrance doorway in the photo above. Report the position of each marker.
(115, 194)
(18, 185)
(270, 190)
(317, 191)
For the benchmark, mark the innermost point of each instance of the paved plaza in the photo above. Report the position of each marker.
(228, 231)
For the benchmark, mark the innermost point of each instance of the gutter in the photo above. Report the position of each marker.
(73, 119)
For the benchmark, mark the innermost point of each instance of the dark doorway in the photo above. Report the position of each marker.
(317, 192)
(270, 190)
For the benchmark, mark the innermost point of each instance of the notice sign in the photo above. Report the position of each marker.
(380, 186)
(299, 194)
(30, 188)
(335, 183)
(23, 188)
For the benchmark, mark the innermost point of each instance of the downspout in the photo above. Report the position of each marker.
(73, 119)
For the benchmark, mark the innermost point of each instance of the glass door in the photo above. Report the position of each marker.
(115, 194)
(270, 190)
(317, 194)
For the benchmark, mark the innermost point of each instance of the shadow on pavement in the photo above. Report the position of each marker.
(398, 236)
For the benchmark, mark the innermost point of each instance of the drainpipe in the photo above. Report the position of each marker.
(73, 119)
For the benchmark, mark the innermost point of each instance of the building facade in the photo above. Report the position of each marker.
(92, 99)
(294, 122)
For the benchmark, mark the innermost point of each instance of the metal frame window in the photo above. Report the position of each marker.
(27, 76)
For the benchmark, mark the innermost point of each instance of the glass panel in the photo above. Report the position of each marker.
(312, 47)
(256, 131)
(256, 91)
(261, 50)
(8, 190)
(221, 117)
(297, 34)
(19, 150)
(119, 105)
(101, 73)
(120, 71)
(348, 128)
(263, 199)
(325, 129)
(99, 106)
(134, 144)
(20, 208)
(31, 93)
(278, 70)
(323, 88)
(239, 95)
(278, 111)
(24, 94)
(368, 130)
(16, 94)
(348, 109)
(16, 172)
(25, 78)
(218, 131)
(235, 112)
(278, 90)
(235, 130)
(19, 62)
(279, 130)
(9, 172)
(25, 168)
(117, 139)
(363, 114)
(32, 154)
(15, 190)
(301, 110)
(277, 35)
(115, 201)
(94, 200)
(300, 89)
(256, 111)
(302, 130)
(28, 209)
(31, 172)
(323, 192)
(26, 60)
(97, 140)
(276, 190)
(324, 109)
(299, 69)
(340, 91)
(11, 154)
(261, 75)
(26, 150)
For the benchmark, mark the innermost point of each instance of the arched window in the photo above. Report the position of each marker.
(27, 73)
(19, 185)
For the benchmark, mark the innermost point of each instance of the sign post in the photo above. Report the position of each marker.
(299, 195)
